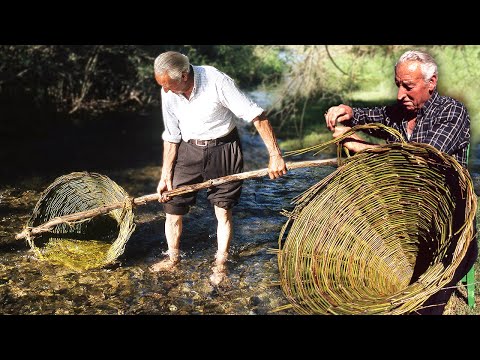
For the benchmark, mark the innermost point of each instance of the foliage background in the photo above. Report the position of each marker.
(99, 92)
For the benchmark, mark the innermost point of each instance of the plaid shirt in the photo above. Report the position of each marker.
(442, 122)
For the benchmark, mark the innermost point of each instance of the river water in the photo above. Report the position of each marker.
(31, 286)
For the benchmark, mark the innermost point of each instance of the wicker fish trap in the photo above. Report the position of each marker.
(86, 243)
(379, 235)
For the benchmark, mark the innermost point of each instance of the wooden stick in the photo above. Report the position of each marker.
(142, 200)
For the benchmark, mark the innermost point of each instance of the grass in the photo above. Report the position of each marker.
(309, 140)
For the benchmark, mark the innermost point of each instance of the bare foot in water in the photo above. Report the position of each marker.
(219, 275)
(164, 265)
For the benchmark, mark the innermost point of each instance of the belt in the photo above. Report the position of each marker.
(231, 136)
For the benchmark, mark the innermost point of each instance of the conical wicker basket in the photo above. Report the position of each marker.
(379, 235)
(88, 243)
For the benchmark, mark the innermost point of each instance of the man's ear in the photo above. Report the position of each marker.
(432, 83)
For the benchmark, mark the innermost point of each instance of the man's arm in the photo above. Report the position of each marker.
(334, 117)
(450, 131)
(170, 151)
(353, 143)
(276, 165)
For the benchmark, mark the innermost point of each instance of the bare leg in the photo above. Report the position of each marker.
(173, 231)
(224, 236)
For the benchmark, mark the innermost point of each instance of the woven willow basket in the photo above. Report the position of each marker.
(87, 243)
(380, 234)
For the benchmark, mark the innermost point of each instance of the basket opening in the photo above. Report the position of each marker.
(85, 243)
(381, 234)
(101, 228)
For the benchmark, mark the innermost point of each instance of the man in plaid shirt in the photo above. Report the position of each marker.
(421, 115)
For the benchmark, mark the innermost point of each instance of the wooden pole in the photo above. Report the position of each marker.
(142, 200)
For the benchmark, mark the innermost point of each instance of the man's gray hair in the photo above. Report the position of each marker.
(174, 63)
(427, 64)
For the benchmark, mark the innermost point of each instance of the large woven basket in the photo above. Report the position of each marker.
(379, 235)
(87, 243)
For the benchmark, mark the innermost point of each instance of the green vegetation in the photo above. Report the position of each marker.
(362, 75)
(43, 83)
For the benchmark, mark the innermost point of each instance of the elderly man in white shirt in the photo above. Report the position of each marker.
(201, 142)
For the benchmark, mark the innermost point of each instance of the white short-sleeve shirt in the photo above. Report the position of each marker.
(210, 112)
